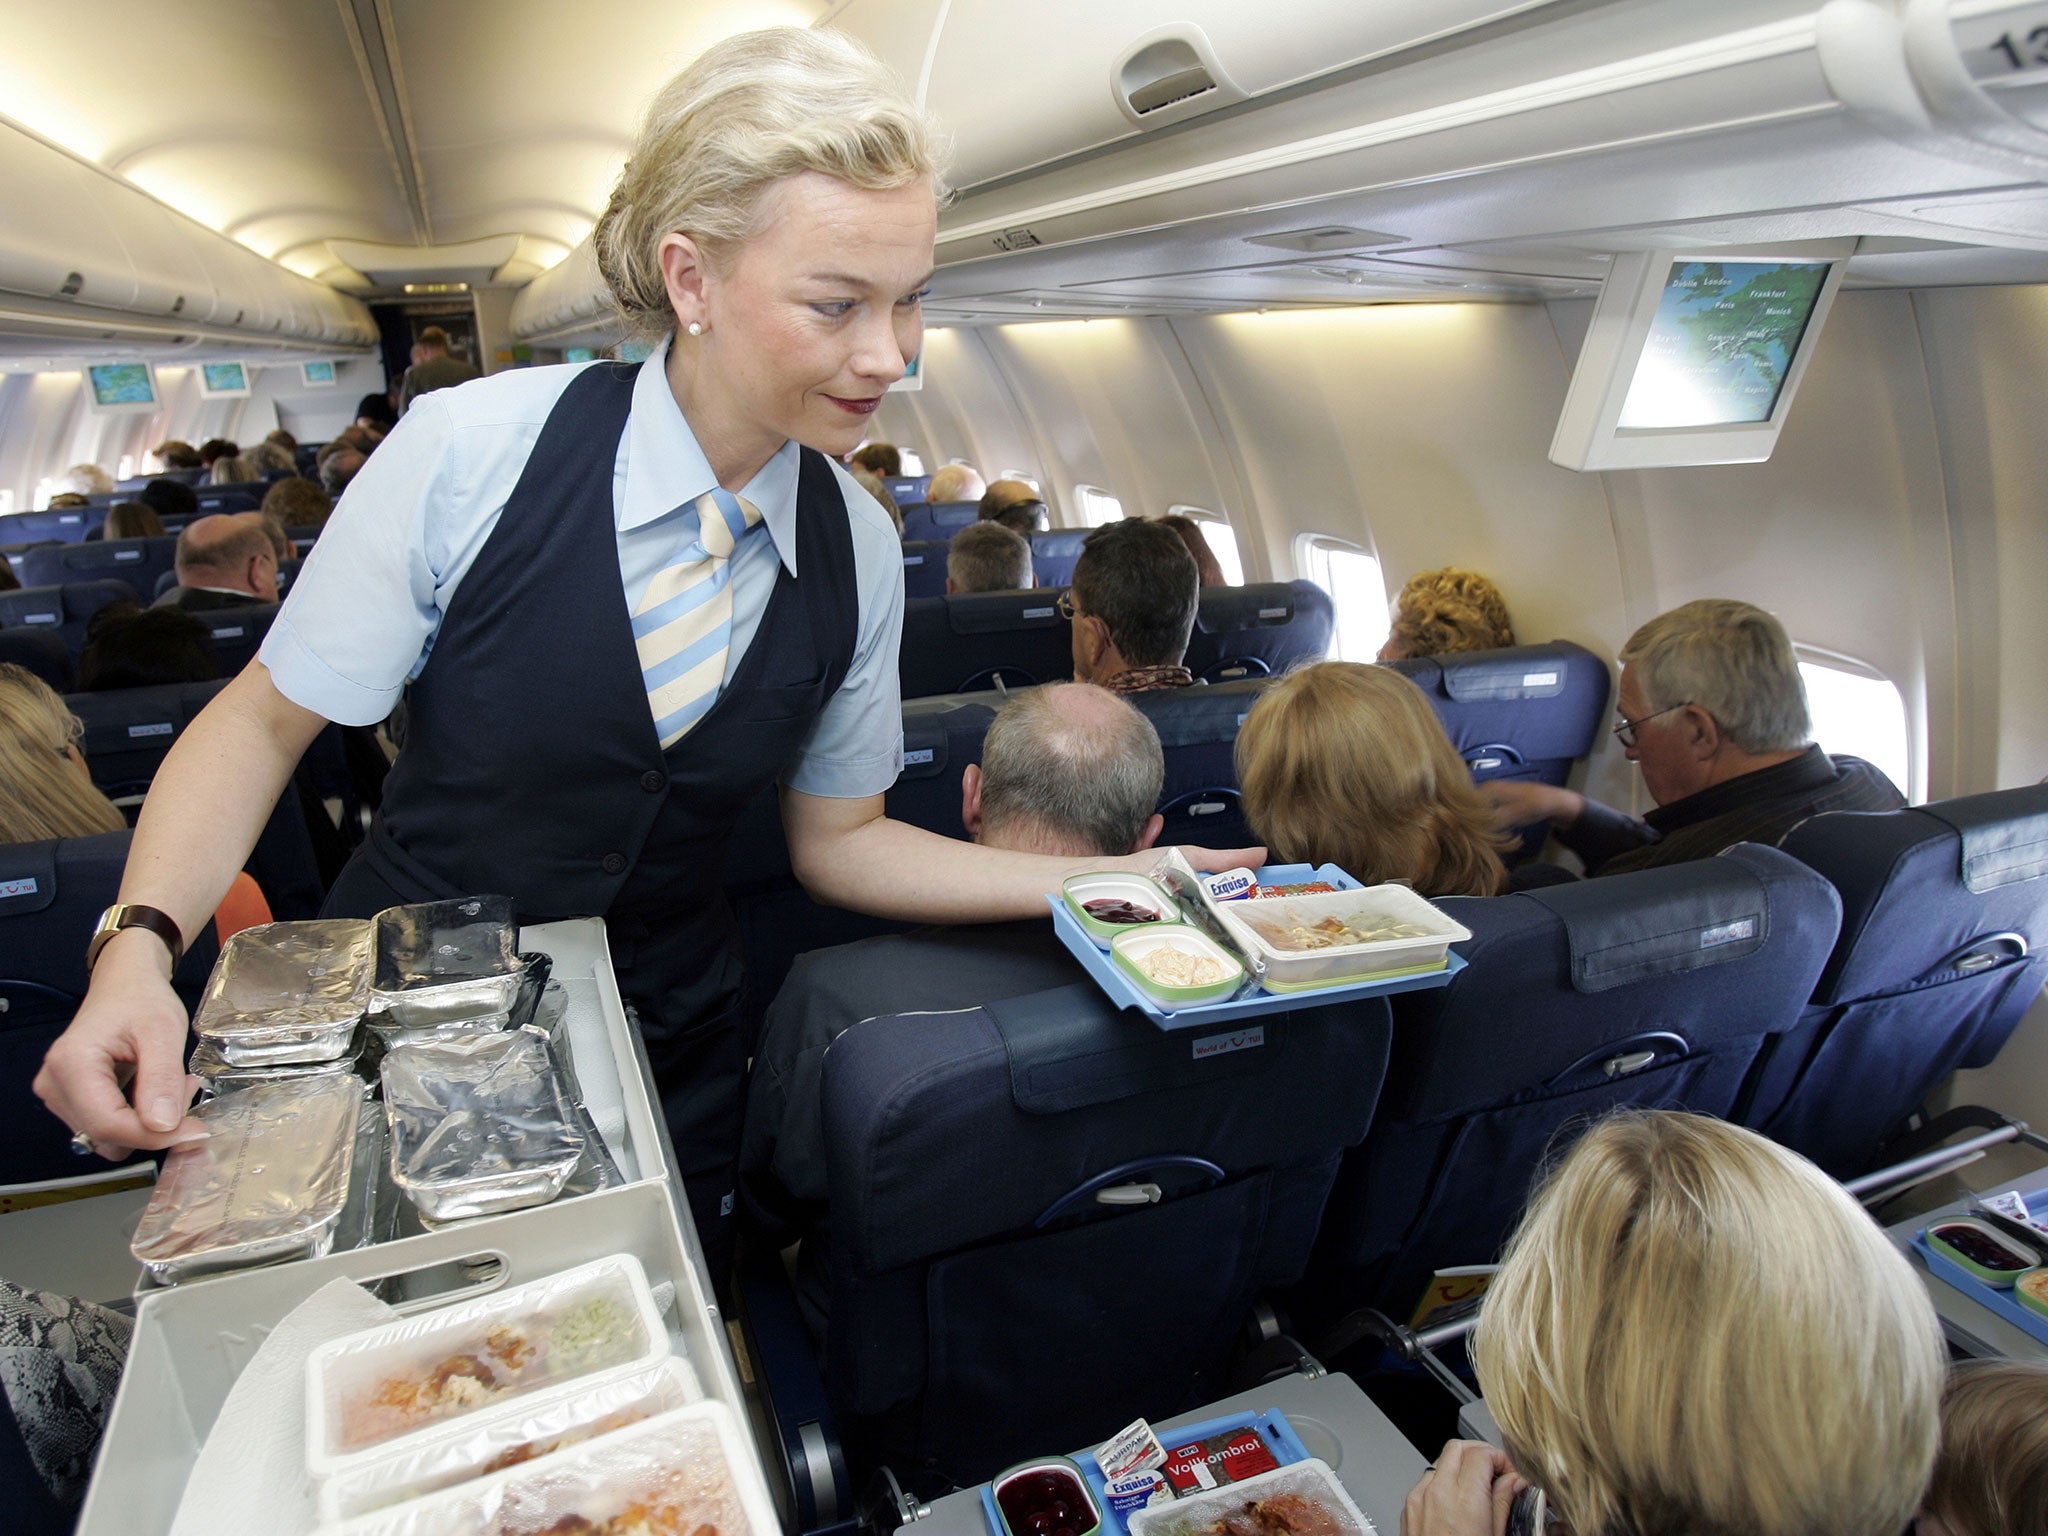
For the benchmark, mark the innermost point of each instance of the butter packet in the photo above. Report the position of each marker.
(1134, 1448)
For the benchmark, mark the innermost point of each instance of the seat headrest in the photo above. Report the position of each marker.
(1658, 922)
(28, 877)
(2004, 835)
(982, 613)
(1186, 717)
(1518, 672)
(1071, 1047)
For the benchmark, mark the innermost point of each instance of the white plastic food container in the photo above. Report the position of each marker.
(669, 1476)
(497, 1438)
(1308, 1482)
(1252, 924)
(374, 1393)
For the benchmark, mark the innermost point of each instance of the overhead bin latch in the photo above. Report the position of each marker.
(1171, 74)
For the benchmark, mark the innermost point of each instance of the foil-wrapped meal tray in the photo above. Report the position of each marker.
(287, 992)
(441, 962)
(217, 1075)
(402, 1027)
(479, 1124)
(266, 1185)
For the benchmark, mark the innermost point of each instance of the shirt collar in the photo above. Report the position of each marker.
(665, 469)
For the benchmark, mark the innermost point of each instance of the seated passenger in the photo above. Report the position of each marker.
(129, 646)
(226, 560)
(283, 439)
(170, 498)
(1991, 1474)
(1066, 769)
(233, 469)
(297, 502)
(267, 458)
(214, 449)
(955, 482)
(1004, 493)
(1206, 563)
(9, 582)
(1696, 1333)
(987, 557)
(868, 482)
(1132, 606)
(174, 454)
(1714, 713)
(132, 520)
(1346, 764)
(1025, 517)
(65, 501)
(374, 411)
(1441, 612)
(85, 480)
(878, 459)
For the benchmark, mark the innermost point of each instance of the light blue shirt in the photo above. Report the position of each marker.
(361, 618)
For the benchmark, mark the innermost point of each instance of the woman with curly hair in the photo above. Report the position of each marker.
(1448, 610)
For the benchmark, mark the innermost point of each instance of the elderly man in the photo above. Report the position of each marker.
(1714, 713)
(1132, 605)
(955, 483)
(1015, 505)
(1066, 769)
(227, 560)
(987, 557)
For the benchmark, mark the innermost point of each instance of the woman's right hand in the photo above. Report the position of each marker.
(118, 1072)
(1467, 1492)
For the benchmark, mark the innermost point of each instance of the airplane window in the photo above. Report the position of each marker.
(913, 462)
(6, 500)
(1098, 506)
(126, 469)
(1357, 591)
(1858, 712)
(1222, 542)
(1018, 474)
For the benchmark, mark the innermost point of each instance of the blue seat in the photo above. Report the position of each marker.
(244, 496)
(1053, 554)
(924, 568)
(1259, 630)
(236, 633)
(62, 610)
(66, 525)
(937, 520)
(998, 1281)
(51, 896)
(964, 644)
(138, 562)
(1944, 945)
(1525, 712)
(43, 652)
(1657, 989)
(904, 489)
(1198, 736)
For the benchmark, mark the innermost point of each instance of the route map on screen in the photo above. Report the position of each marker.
(1722, 341)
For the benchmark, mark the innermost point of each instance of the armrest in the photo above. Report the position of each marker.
(819, 1487)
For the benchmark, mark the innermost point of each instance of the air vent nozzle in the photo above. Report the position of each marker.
(73, 285)
(1171, 74)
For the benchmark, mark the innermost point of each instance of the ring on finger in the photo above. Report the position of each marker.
(81, 1145)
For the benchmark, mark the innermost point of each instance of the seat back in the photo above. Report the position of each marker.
(1053, 554)
(1198, 736)
(61, 610)
(236, 633)
(66, 525)
(924, 568)
(963, 644)
(991, 1293)
(937, 520)
(904, 489)
(1656, 989)
(1259, 630)
(236, 496)
(1944, 946)
(1523, 712)
(138, 562)
(51, 896)
(42, 652)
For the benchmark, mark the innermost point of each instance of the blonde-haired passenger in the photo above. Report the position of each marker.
(1991, 1477)
(1696, 1332)
(45, 791)
(84, 480)
(1441, 612)
(1347, 764)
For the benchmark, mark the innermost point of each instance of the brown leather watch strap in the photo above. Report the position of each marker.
(118, 919)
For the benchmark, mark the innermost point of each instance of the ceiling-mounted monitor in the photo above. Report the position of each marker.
(121, 386)
(913, 374)
(316, 375)
(1693, 357)
(220, 381)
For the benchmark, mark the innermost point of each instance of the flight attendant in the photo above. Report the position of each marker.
(625, 600)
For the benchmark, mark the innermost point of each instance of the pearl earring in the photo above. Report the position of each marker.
(695, 328)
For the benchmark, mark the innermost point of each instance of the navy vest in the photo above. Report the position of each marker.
(531, 766)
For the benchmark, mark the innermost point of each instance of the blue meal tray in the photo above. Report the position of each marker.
(1125, 994)
(1992, 1298)
(1272, 1424)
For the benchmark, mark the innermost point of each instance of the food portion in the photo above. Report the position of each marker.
(1333, 931)
(2034, 1286)
(1298, 888)
(1283, 1514)
(1110, 909)
(1303, 1498)
(1045, 1501)
(1980, 1248)
(1171, 966)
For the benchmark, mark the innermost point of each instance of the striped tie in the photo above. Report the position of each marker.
(683, 626)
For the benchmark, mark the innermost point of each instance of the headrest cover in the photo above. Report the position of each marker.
(983, 613)
(1071, 1047)
(28, 877)
(1520, 672)
(2004, 835)
(925, 751)
(1658, 922)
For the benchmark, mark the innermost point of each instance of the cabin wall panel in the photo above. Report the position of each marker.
(966, 410)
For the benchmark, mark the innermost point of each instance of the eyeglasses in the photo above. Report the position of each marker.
(1065, 605)
(1625, 733)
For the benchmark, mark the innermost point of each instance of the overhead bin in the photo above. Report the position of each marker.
(567, 299)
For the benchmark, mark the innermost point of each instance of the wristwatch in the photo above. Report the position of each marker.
(119, 916)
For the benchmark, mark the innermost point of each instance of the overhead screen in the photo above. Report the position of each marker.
(1694, 357)
(121, 387)
(316, 375)
(223, 379)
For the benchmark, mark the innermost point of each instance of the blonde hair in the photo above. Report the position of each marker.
(750, 111)
(45, 795)
(1991, 1478)
(1347, 764)
(86, 480)
(1441, 612)
(1733, 660)
(1697, 1331)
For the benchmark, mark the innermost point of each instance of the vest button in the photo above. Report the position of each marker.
(614, 863)
(654, 781)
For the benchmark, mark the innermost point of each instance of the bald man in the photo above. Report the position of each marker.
(1015, 505)
(955, 483)
(224, 561)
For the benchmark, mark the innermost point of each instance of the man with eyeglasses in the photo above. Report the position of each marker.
(1714, 714)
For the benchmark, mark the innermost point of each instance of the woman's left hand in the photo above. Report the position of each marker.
(1467, 1493)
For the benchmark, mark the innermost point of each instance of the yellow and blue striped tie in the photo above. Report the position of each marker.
(683, 626)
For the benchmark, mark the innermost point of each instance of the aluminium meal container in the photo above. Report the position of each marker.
(287, 992)
(1305, 1496)
(1078, 890)
(480, 1124)
(686, 1472)
(1262, 927)
(217, 1075)
(445, 962)
(522, 1431)
(374, 1393)
(267, 1184)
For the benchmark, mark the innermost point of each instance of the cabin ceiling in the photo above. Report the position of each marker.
(366, 142)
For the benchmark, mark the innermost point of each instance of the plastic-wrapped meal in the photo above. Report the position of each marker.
(1332, 930)
(1302, 1499)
